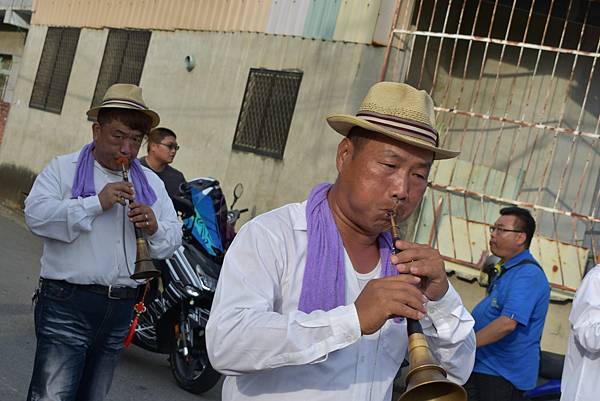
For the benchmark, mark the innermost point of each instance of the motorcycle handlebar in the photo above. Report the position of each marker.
(234, 215)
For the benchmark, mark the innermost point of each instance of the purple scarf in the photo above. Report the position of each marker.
(324, 283)
(83, 184)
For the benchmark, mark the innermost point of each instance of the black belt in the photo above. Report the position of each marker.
(111, 292)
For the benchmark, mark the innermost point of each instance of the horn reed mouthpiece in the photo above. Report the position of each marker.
(123, 162)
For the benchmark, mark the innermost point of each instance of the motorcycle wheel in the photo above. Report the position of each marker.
(193, 372)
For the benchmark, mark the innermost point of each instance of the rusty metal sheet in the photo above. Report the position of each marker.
(384, 22)
(356, 21)
(287, 17)
(341, 20)
(321, 19)
(213, 15)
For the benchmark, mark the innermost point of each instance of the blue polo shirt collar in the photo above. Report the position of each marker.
(515, 260)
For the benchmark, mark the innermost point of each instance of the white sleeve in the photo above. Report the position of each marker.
(49, 215)
(245, 334)
(449, 330)
(585, 318)
(167, 237)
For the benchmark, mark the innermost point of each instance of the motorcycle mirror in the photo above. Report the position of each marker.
(238, 190)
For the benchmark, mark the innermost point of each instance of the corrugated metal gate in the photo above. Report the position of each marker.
(517, 87)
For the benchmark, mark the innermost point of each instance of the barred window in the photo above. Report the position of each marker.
(267, 110)
(54, 70)
(123, 60)
(5, 65)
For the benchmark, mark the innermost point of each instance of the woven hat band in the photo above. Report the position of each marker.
(401, 126)
(128, 102)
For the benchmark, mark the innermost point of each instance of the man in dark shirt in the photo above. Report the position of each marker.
(162, 148)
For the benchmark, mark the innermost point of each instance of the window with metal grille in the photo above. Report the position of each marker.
(5, 65)
(123, 60)
(267, 110)
(53, 72)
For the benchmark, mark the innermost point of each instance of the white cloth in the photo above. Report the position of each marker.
(581, 373)
(272, 351)
(84, 244)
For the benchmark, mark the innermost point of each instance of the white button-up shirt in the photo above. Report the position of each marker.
(581, 373)
(84, 244)
(271, 351)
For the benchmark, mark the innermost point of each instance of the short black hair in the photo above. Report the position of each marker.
(359, 136)
(526, 221)
(158, 134)
(134, 119)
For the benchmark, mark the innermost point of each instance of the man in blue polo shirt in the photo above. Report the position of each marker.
(510, 319)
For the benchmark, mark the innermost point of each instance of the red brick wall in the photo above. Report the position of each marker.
(4, 108)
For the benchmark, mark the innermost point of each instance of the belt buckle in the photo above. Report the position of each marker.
(110, 296)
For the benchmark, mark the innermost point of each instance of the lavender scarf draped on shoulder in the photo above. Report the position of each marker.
(324, 282)
(83, 183)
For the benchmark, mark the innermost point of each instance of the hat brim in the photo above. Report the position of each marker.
(93, 112)
(343, 123)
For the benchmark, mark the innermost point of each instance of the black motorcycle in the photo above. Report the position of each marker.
(178, 305)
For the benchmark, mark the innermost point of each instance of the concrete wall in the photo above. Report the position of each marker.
(202, 107)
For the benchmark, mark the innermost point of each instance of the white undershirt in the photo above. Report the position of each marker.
(363, 278)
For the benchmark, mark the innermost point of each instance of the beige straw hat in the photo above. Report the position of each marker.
(399, 111)
(124, 96)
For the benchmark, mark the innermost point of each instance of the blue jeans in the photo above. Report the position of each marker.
(79, 339)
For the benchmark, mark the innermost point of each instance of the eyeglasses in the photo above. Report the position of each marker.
(501, 230)
(171, 146)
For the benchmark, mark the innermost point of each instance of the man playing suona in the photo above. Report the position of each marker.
(86, 213)
(310, 305)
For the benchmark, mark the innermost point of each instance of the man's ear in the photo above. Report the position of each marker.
(344, 154)
(522, 238)
(96, 130)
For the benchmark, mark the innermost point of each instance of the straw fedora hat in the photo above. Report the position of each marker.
(124, 96)
(399, 111)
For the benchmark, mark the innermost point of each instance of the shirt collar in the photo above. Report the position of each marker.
(298, 215)
(516, 259)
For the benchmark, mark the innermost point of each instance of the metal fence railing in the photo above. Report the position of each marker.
(515, 84)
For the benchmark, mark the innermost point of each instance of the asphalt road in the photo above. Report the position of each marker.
(141, 375)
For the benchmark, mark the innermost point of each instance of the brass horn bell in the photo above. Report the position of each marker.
(144, 268)
(426, 380)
